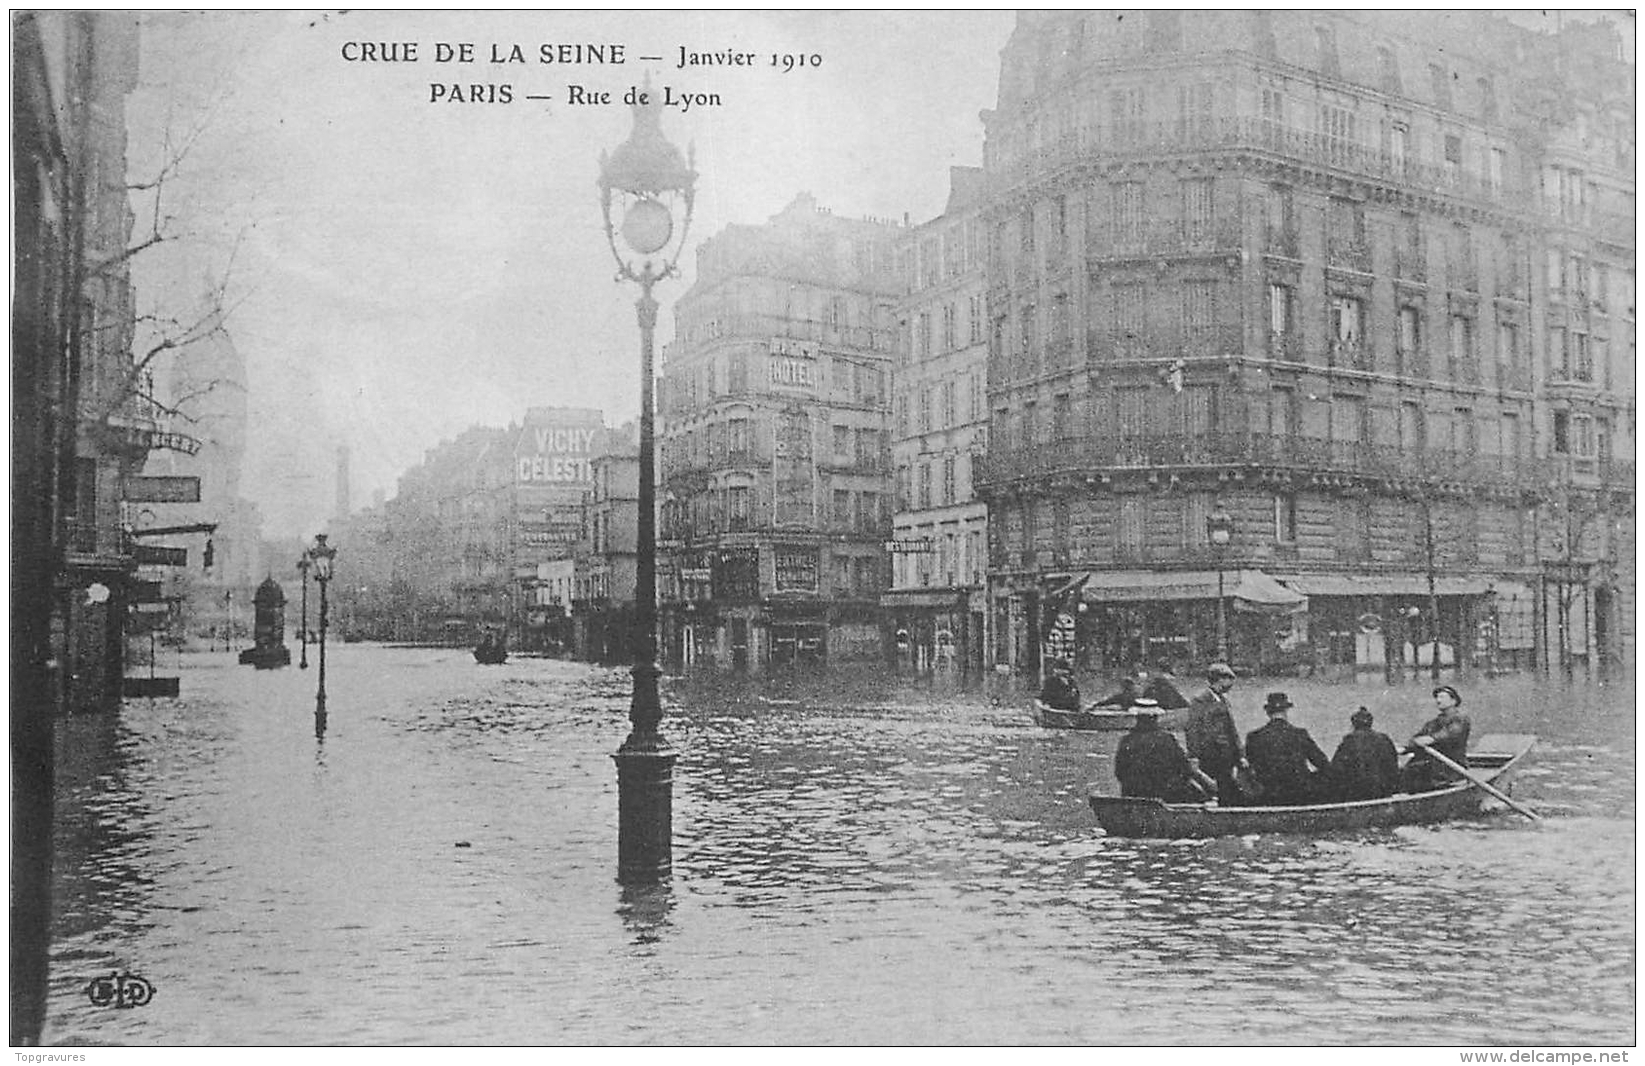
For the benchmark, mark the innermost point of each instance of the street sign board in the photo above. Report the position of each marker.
(139, 489)
(159, 555)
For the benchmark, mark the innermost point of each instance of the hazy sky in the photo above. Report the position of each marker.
(403, 268)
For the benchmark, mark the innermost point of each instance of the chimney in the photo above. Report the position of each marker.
(342, 483)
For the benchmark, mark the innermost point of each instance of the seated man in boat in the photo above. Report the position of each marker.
(1060, 691)
(1447, 733)
(1150, 763)
(1281, 755)
(1366, 765)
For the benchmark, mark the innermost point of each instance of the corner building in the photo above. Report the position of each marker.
(773, 455)
(1327, 270)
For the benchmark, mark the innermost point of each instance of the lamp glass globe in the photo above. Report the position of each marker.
(647, 226)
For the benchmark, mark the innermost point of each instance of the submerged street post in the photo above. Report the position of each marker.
(303, 564)
(649, 179)
(320, 556)
(1219, 530)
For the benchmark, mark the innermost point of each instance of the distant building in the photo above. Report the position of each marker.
(937, 606)
(1365, 280)
(460, 545)
(773, 449)
(606, 556)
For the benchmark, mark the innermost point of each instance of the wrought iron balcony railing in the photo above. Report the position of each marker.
(1080, 455)
(1008, 166)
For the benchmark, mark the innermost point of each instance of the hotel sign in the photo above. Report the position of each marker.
(792, 365)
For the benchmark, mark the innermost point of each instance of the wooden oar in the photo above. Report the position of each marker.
(1445, 760)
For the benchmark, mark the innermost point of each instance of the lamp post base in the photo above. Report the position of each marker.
(645, 810)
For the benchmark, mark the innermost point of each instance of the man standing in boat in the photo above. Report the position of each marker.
(1150, 763)
(1366, 765)
(1446, 733)
(1280, 755)
(1213, 739)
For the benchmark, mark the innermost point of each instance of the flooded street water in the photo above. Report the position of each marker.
(858, 859)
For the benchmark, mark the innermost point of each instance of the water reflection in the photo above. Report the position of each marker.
(644, 910)
(916, 857)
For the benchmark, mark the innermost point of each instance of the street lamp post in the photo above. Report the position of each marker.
(303, 565)
(649, 181)
(1219, 530)
(321, 556)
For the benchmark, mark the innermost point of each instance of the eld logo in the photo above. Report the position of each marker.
(123, 990)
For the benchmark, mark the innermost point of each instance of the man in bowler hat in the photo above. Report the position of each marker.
(1281, 754)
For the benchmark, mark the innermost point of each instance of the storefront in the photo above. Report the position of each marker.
(929, 628)
(1128, 619)
(1391, 621)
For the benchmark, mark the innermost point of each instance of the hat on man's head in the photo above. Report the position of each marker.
(1455, 695)
(1361, 717)
(1145, 706)
(1278, 703)
(1219, 670)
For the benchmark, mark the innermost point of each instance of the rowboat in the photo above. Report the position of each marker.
(1099, 719)
(1492, 760)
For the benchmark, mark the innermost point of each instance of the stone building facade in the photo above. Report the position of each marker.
(1301, 266)
(773, 443)
(936, 607)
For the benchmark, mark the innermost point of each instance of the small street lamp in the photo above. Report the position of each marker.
(1219, 530)
(303, 565)
(320, 557)
(650, 183)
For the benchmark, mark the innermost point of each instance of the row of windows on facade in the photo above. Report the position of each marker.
(1161, 33)
(1284, 412)
(931, 483)
(793, 570)
(923, 340)
(733, 509)
(938, 407)
(1146, 321)
(732, 442)
(954, 558)
(700, 324)
(1397, 146)
(1574, 353)
(939, 257)
(1130, 221)
(849, 380)
(1346, 525)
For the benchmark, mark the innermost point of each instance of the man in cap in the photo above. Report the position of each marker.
(1060, 692)
(1150, 762)
(1366, 765)
(1447, 733)
(1280, 755)
(1213, 739)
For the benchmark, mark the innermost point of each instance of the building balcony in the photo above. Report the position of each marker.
(1093, 142)
(1152, 238)
(1078, 456)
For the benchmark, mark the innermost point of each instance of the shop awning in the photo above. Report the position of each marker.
(1384, 585)
(1248, 588)
(924, 597)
